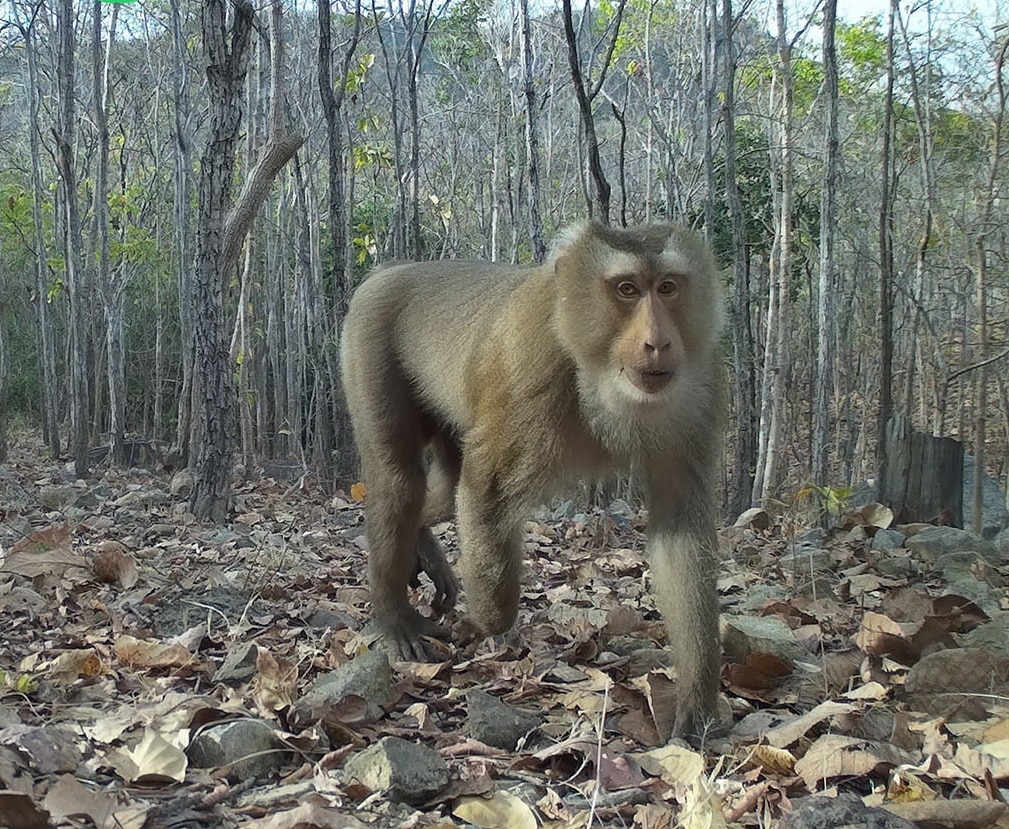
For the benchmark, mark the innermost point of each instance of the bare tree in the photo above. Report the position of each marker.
(76, 279)
(585, 94)
(226, 46)
(111, 287)
(776, 348)
(532, 137)
(886, 263)
(745, 456)
(827, 282)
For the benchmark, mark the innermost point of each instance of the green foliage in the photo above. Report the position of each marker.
(832, 501)
(457, 38)
(18, 683)
(358, 73)
(861, 51)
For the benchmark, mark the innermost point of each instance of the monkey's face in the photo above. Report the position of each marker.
(635, 311)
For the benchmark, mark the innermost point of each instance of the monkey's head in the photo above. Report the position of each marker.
(638, 309)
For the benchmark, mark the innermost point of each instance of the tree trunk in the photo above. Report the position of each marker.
(220, 241)
(182, 236)
(226, 50)
(76, 280)
(745, 455)
(337, 454)
(44, 326)
(776, 351)
(886, 265)
(111, 287)
(532, 137)
(599, 204)
(827, 287)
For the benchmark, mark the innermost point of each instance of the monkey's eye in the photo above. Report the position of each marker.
(668, 287)
(627, 290)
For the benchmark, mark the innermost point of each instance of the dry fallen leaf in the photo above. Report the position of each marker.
(307, 816)
(499, 811)
(49, 550)
(153, 760)
(113, 565)
(143, 653)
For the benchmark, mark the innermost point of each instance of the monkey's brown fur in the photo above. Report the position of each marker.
(505, 384)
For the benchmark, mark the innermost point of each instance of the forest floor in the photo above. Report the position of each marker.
(862, 660)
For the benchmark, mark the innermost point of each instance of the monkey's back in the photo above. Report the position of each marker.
(431, 327)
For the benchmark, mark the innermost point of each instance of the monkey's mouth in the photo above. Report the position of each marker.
(649, 381)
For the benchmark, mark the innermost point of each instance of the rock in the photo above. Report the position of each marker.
(745, 635)
(249, 747)
(757, 595)
(886, 540)
(496, 723)
(58, 497)
(991, 636)
(958, 566)
(988, 598)
(404, 771)
(958, 682)
(808, 561)
(369, 677)
(754, 517)
(239, 665)
(333, 619)
(811, 537)
(933, 542)
(845, 810)
(994, 515)
(182, 484)
(896, 565)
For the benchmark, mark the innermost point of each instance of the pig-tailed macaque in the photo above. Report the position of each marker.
(503, 384)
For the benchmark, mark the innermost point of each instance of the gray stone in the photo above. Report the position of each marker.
(182, 484)
(844, 810)
(960, 682)
(239, 665)
(757, 595)
(988, 598)
(496, 723)
(745, 635)
(754, 517)
(248, 747)
(885, 540)
(991, 636)
(933, 542)
(958, 566)
(994, 515)
(806, 561)
(369, 676)
(812, 537)
(404, 771)
(896, 566)
(333, 619)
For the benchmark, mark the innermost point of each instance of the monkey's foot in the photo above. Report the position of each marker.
(401, 634)
(698, 722)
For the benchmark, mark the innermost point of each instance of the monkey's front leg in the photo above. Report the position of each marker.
(683, 553)
(491, 541)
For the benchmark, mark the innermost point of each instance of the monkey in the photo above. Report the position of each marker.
(480, 389)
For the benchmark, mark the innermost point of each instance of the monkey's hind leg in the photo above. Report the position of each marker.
(392, 515)
(443, 460)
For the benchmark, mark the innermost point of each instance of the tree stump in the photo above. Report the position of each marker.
(924, 476)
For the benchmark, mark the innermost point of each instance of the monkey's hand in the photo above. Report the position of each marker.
(431, 560)
(401, 633)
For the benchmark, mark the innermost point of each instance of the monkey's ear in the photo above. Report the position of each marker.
(566, 239)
